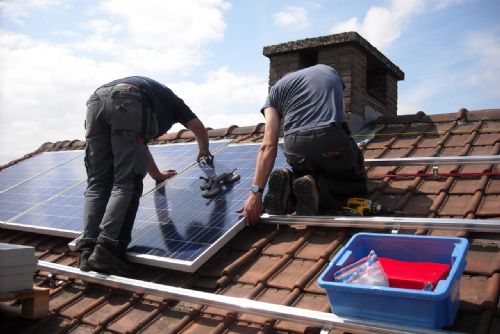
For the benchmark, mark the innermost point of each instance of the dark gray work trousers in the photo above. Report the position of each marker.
(334, 160)
(118, 123)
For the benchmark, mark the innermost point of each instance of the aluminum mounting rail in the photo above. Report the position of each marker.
(235, 304)
(472, 159)
(476, 225)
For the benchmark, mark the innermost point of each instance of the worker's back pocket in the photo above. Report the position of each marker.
(126, 113)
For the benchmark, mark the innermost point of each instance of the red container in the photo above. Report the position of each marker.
(413, 275)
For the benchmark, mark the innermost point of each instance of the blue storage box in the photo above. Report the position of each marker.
(431, 309)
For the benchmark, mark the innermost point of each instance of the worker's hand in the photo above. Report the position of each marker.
(252, 209)
(204, 153)
(166, 174)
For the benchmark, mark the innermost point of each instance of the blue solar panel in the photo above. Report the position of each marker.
(34, 166)
(30, 204)
(52, 202)
(177, 228)
(177, 157)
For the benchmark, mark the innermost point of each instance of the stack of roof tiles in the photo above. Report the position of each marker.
(281, 265)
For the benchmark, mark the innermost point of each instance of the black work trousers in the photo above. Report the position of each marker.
(117, 124)
(331, 156)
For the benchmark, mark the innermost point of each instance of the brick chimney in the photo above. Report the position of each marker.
(371, 79)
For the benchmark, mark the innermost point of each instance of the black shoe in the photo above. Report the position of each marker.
(276, 200)
(83, 260)
(104, 261)
(307, 195)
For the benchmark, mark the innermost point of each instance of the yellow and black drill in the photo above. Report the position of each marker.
(356, 206)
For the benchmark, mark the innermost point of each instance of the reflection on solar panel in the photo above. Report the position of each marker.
(34, 166)
(179, 229)
(177, 157)
(39, 204)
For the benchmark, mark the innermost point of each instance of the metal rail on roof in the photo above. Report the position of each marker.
(472, 159)
(476, 225)
(234, 304)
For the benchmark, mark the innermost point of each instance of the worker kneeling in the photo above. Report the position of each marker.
(326, 163)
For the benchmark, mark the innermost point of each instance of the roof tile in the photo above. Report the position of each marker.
(292, 274)
(286, 242)
(479, 293)
(171, 320)
(419, 205)
(489, 206)
(483, 260)
(455, 205)
(493, 186)
(106, 311)
(260, 269)
(320, 245)
(430, 141)
(270, 295)
(133, 318)
(465, 186)
(309, 302)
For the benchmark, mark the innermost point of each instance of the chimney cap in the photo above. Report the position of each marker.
(331, 40)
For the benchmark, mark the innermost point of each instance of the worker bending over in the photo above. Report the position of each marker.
(122, 116)
(325, 161)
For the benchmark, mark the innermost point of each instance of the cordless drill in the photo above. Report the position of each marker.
(366, 207)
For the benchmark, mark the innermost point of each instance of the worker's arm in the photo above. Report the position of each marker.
(265, 161)
(197, 127)
(155, 173)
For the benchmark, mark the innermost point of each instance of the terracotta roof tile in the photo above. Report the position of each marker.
(292, 275)
(493, 186)
(483, 260)
(372, 154)
(306, 301)
(489, 206)
(430, 141)
(418, 205)
(271, 295)
(321, 244)
(406, 141)
(287, 242)
(455, 205)
(465, 186)
(479, 293)
(260, 269)
(486, 114)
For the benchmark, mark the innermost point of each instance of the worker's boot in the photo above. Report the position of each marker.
(276, 200)
(103, 260)
(83, 260)
(306, 192)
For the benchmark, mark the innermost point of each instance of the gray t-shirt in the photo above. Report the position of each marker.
(308, 99)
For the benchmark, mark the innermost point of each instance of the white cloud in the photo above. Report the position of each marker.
(17, 10)
(383, 25)
(483, 49)
(291, 17)
(44, 85)
(224, 94)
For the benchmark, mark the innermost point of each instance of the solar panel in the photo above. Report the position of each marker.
(34, 166)
(179, 229)
(33, 205)
(176, 156)
(51, 202)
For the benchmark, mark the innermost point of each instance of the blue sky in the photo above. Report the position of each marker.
(54, 53)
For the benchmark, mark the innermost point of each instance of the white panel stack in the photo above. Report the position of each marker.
(17, 264)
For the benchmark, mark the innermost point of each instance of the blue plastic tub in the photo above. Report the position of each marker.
(431, 309)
